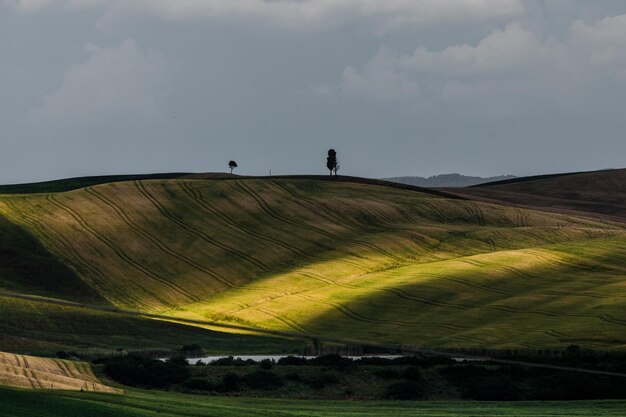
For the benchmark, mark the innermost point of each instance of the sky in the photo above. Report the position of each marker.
(397, 87)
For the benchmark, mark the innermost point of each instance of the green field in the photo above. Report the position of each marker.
(40, 328)
(328, 258)
(20, 403)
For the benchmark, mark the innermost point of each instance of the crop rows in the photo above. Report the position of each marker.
(338, 259)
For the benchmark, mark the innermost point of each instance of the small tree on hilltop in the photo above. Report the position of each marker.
(232, 165)
(331, 162)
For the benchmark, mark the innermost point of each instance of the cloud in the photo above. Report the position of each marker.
(380, 78)
(509, 70)
(301, 14)
(119, 82)
(604, 43)
(321, 90)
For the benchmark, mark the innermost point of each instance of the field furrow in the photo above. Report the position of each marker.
(204, 236)
(43, 373)
(337, 259)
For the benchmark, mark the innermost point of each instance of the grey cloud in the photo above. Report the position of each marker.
(296, 14)
(114, 82)
(509, 69)
(397, 87)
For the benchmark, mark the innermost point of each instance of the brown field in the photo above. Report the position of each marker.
(45, 373)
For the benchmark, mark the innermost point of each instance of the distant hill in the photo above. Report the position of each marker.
(448, 180)
(596, 192)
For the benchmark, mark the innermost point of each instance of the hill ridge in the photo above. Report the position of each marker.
(447, 180)
(541, 177)
(75, 183)
(592, 193)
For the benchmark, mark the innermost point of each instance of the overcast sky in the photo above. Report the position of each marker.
(398, 87)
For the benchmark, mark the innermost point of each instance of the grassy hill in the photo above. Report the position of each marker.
(600, 193)
(27, 267)
(337, 259)
(43, 373)
(40, 328)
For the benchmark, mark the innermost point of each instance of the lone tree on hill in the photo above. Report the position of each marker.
(232, 165)
(331, 162)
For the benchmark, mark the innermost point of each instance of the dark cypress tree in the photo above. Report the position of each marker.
(331, 161)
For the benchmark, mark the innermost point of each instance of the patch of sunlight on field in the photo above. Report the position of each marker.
(532, 297)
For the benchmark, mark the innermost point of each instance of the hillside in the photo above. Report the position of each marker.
(448, 180)
(41, 328)
(328, 258)
(43, 373)
(600, 193)
(27, 267)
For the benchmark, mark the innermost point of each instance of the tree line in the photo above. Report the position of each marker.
(332, 164)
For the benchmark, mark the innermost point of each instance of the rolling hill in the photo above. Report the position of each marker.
(42, 328)
(597, 193)
(331, 258)
(36, 326)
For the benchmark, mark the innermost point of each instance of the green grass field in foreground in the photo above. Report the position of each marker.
(135, 403)
(330, 258)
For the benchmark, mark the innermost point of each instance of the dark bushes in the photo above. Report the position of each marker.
(413, 373)
(198, 384)
(230, 382)
(406, 390)
(230, 361)
(145, 372)
(266, 364)
(292, 360)
(567, 386)
(422, 362)
(293, 376)
(492, 388)
(386, 374)
(263, 380)
(333, 361)
(322, 380)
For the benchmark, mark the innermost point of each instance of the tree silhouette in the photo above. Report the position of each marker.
(331, 162)
(232, 165)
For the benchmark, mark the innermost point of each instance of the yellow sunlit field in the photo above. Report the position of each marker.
(337, 259)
